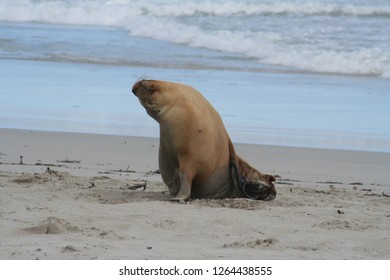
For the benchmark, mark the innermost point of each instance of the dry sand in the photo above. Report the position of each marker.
(83, 196)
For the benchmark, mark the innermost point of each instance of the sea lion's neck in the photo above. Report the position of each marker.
(160, 111)
(152, 108)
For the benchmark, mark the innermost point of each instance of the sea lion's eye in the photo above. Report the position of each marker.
(147, 87)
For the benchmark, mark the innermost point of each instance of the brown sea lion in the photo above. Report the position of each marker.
(196, 156)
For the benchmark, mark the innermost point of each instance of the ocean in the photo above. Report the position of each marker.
(293, 73)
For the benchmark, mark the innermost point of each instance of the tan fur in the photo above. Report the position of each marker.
(254, 175)
(195, 149)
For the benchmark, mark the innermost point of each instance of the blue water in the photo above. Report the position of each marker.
(326, 36)
(274, 83)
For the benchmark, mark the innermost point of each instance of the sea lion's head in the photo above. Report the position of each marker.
(149, 96)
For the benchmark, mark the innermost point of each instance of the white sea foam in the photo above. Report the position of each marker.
(232, 8)
(268, 36)
(266, 48)
(111, 12)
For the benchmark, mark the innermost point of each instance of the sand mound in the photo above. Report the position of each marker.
(52, 225)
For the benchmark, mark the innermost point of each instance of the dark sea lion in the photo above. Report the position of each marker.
(196, 156)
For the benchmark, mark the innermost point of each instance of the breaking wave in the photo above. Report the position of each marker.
(184, 22)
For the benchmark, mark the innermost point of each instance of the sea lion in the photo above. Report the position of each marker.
(196, 156)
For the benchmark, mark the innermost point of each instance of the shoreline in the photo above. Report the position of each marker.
(88, 196)
(314, 164)
(301, 110)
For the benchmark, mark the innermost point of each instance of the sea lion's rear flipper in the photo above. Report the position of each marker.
(255, 190)
(250, 189)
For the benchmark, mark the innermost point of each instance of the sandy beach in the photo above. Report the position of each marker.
(305, 85)
(86, 196)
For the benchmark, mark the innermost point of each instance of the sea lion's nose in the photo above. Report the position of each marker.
(135, 88)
